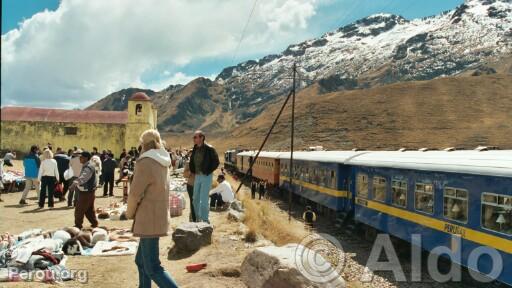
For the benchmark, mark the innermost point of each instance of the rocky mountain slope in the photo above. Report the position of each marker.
(118, 101)
(377, 50)
(462, 112)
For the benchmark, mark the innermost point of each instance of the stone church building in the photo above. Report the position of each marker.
(22, 127)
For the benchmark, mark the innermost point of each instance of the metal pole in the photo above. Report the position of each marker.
(249, 171)
(291, 146)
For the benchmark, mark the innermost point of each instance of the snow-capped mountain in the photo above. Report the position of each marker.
(376, 50)
(380, 49)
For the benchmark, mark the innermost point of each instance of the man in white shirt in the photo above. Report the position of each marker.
(222, 194)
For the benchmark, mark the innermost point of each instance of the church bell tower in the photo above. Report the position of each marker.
(141, 116)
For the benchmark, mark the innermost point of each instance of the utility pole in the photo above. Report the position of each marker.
(291, 145)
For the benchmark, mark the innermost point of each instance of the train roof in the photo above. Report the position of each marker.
(494, 162)
(322, 156)
(265, 154)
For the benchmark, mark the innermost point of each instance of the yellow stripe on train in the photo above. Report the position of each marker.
(482, 238)
(325, 190)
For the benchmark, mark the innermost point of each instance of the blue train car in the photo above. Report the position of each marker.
(443, 196)
(320, 176)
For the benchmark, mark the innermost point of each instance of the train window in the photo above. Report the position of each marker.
(424, 197)
(333, 179)
(399, 192)
(456, 204)
(497, 213)
(379, 188)
(362, 185)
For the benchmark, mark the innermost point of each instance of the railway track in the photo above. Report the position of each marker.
(356, 249)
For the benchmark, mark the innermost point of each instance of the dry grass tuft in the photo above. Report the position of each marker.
(265, 218)
(251, 236)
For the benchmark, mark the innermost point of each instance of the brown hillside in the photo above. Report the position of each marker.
(456, 111)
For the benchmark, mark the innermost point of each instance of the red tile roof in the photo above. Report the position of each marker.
(61, 115)
(140, 96)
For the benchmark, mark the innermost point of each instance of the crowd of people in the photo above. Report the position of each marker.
(52, 174)
(74, 175)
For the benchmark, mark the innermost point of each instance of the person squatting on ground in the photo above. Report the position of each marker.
(48, 176)
(31, 164)
(76, 167)
(107, 173)
(85, 186)
(190, 188)
(309, 217)
(222, 194)
(203, 162)
(8, 157)
(148, 206)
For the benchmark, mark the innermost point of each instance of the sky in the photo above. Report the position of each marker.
(71, 53)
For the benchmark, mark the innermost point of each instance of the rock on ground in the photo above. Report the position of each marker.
(192, 236)
(237, 206)
(292, 265)
(236, 216)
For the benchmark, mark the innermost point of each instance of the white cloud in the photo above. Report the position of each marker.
(89, 48)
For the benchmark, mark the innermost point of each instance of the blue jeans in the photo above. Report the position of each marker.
(148, 263)
(202, 185)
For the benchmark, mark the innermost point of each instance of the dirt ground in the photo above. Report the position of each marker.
(223, 257)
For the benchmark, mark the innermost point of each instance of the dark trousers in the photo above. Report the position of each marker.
(216, 200)
(261, 193)
(108, 185)
(149, 266)
(190, 190)
(85, 207)
(47, 187)
(253, 193)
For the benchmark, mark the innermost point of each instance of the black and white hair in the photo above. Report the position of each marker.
(72, 247)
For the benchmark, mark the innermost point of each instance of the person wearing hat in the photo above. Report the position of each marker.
(148, 206)
(76, 167)
(85, 186)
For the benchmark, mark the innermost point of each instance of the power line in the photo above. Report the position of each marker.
(243, 31)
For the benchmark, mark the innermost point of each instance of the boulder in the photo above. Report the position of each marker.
(236, 216)
(192, 236)
(237, 206)
(292, 265)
